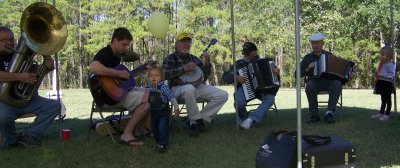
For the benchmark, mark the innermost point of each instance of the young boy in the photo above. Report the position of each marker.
(160, 94)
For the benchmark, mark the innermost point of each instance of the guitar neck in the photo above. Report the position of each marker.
(138, 70)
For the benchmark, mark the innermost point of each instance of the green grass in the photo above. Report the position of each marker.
(222, 145)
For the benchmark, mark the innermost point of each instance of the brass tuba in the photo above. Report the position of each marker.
(43, 32)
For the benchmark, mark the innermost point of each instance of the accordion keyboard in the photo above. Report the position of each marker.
(249, 93)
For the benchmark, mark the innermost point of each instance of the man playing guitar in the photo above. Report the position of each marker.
(135, 99)
(182, 62)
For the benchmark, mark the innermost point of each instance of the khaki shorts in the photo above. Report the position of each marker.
(133, 98)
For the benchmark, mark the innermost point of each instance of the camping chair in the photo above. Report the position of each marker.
(324, 103)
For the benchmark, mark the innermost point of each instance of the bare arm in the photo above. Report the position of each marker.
(23, 77)
(99, 69)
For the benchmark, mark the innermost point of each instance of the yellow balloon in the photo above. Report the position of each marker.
(158, 24)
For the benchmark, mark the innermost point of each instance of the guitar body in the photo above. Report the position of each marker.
(110, 90)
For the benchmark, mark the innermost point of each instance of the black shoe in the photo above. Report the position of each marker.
(313, 119)
(193, 130)
(162, 148)
(200, 124)
(28, 141)
(329, 118)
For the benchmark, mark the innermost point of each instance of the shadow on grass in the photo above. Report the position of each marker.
(222, 145)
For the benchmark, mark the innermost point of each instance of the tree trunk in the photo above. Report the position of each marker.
(73, 73)
(80, 48)
(357, 64)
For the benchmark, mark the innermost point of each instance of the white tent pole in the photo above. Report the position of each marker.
(234, 60)
(395, 55)
(298, 89)
(58, 88)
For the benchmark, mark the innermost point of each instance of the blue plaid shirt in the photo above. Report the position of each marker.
(163, 89)
(173, 67)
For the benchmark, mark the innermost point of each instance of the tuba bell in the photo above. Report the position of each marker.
(43, 32)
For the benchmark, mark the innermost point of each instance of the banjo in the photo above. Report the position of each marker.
(196, 77)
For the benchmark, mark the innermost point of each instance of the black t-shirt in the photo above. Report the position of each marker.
(106, 57)
(5, 62)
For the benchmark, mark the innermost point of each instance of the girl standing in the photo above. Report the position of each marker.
(384, 82)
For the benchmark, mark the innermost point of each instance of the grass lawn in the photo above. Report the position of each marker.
(222, 145)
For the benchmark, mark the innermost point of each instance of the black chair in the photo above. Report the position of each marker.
(324, 103)
(98, 106)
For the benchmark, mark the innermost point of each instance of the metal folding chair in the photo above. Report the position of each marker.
(324, 103)
(273, 108)
(105, 109)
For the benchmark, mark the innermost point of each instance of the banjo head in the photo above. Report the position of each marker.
(194, 77)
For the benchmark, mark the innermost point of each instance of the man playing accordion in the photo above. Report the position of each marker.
(315, 84)
(267, 96)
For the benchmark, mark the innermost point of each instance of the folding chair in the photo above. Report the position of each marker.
(98, 106)
(324, 103)
(273, 107)
(183, 106)
(181, 102)
(102, 109)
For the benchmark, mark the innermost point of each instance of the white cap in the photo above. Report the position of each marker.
(317, 37)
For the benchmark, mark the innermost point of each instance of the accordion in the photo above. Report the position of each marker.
(332, 67)
(259, 75)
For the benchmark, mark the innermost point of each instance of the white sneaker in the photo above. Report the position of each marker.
(246, 124)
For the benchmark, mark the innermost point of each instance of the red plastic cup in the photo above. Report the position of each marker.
(65, 133)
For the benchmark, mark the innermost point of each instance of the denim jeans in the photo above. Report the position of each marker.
(160, 114)
(314, 86)
(45, 109)
(267, 100)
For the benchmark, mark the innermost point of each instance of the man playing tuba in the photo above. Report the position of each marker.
(45, 109)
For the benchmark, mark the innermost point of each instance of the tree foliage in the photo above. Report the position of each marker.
(354, 29)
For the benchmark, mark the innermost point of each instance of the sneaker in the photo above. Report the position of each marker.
(329, 118)
(385, 118)
(377, 116)
(193, 130)
(162, 148)
(246, 124)
(313, 119)
(200, 123)
(28, 141)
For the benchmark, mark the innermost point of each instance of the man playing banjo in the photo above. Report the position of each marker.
(186, 74)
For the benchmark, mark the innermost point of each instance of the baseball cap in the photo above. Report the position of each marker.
(182, 35)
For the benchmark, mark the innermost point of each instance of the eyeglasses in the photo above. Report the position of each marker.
(11, 40)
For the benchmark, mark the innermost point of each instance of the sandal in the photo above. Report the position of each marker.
(132, 142)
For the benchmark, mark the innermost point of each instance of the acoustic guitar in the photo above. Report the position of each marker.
(196, 77)
(111, 90)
